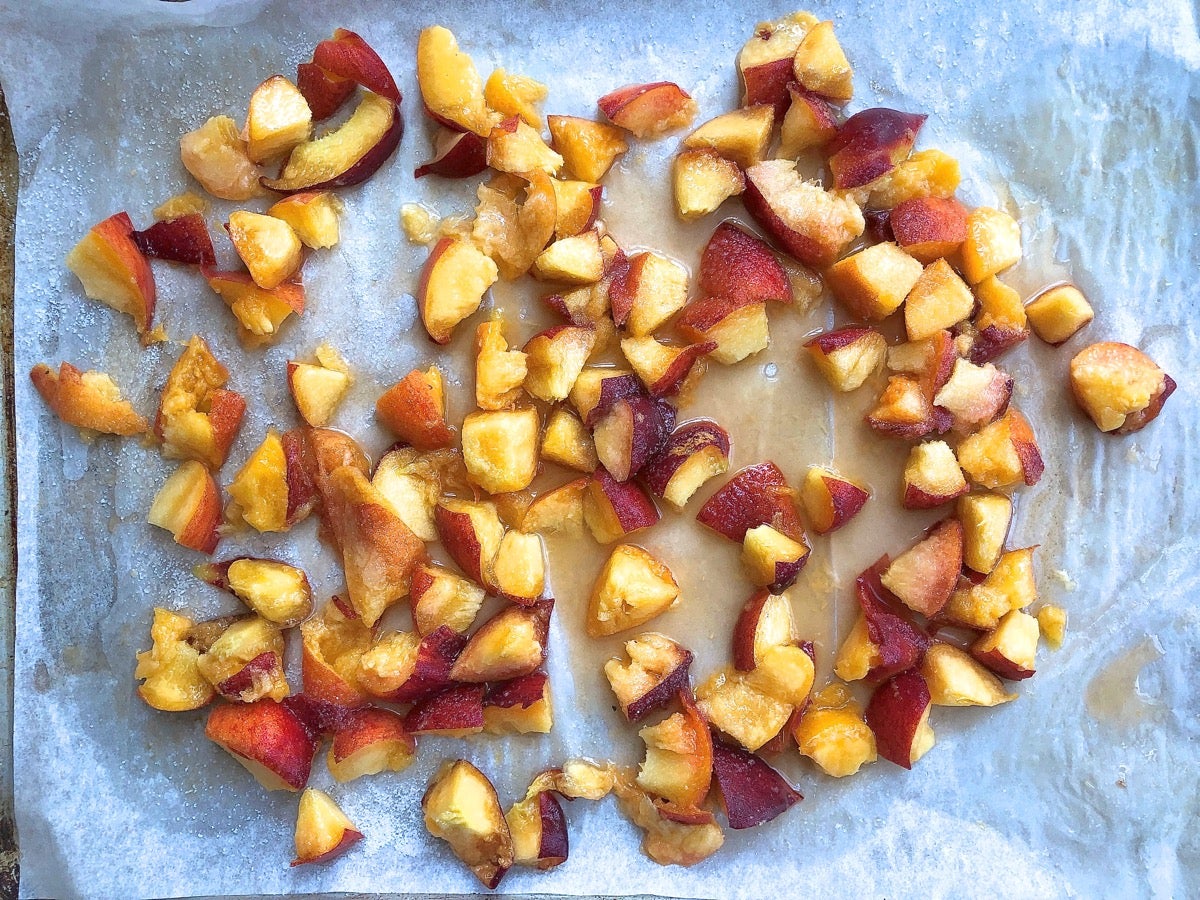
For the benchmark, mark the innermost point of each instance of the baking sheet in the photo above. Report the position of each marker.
(1082, 118)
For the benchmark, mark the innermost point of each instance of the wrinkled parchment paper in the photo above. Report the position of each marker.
(1083, 120)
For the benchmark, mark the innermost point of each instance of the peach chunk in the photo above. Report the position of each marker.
(741, 136)
(812, 224)
(317, 388)
(833, 733)
(649, 111)
(414, 408)
(588, 148)
(323, 831)
(1120, 388)
(277, 119)
(500, 448)
(455, 278)
(461, 808)
(830, 500)
(872, 283)
(88, 400)
(197, 417)
(632, 588)
(450, 84)
(216, 156)
(189, 506)
(703, 180)
(993, 244)
(170, 677)
(112, 269)
(1057, 313)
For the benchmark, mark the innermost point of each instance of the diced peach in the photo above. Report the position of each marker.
(739, 709)
(738, 328)
(566, 441)
(514, 146)
(974, 395)
(614, 509)
(821, 66)
(461, 808)
(450, 84)
(455, 278)
(499, 371)
(277, 119)
(471, 532)
(939, 300)
(924, 576)
(928, 173)
(833, 733)
(830, 500)
(899, 715)
(558, 510)
(872, 283)
(113, 270)
(88, 400)
(588, 148)
(649, 111)
(766, 60)
(509, 645)
(741, 136)
(313, 215)
(217, 157)
(555, 357)
(808, 125)
(414, 408)
(703, 180)
(189, 506)
(1002, 454)
(993, 244)
(756, 495)
(932, 476)
(812, 224)
(268, 739)
(631, 589)
(260, 313)
(649, 292)
(870, 144)
(1010, 649)
(500, 449)
(1058, 313)
(511, 94)
(367, 741)
(317, 388)
(679, 757)
(655, 674)
(771, 559)
(929, 228)
(847, 357)
(577, 206)
(440, 597)
(170, 677)
(693, 454)
(1120, 388)
(519, 706)
(1010, 585)
(956, 679)
(985, 518)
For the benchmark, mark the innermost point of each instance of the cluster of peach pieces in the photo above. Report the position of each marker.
(944, 623)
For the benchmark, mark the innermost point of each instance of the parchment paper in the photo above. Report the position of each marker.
(1081, 118)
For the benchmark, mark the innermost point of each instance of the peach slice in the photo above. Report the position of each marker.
(985, 518)
(378, 550)
(268, 246)
(588, 148)
(555, 357)
(870, 144)
(558, 510)
(500, 448)
(515, 95)
(1010, 585)
(939, 300)
(666, 370)
(752, 792)
(993, 244)
(741, 710)
(88, 400)
(756, 495)
(324, 92)
(833, 733)
(703, 180)
(766, 60)
(829, 500)
(471, 532)
(821, 66)
(1120, 388)
(277, 119)
(615, 509)
(260, 313)
(808, 124)
(266, 737)
(245, 662)
(322, 830)
(519, 706)
(414, 409)
(1002, 454)
(317, 388)
(170, 677)
(332, 644)
(740, 265)
(924, 576)
(113, 270)
(929, 228)
(741, 136)
(1010, 649)
(932, 476)
(411, 481)
(458, 155)
(956, 679)
(509, 645)
(649, 111)
(1000, 324)
(450, 84)
(899, 715)
(313, 215)
(812, 224)
(189, 506)
(346, 55)
(678, 766)
(631, 589)
(771, 559)
(455, 712)
(461, 808)
(872, 283)
(656, 673)
(629, 432)
(673, 837)
(1058, 313)
(514, 146)
(539, 831)
(347, 156)
(693, 454)
(440, 597)
(216, 156)
(260, 489)
(847, 357)
(499, 371)
(738, 328)
(197, 418)
(183, 238)
(566, 441)
(453, 283)
(278, 592)
(647, 293)
(765, 622)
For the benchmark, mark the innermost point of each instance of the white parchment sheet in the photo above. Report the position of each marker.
(1081, 118)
